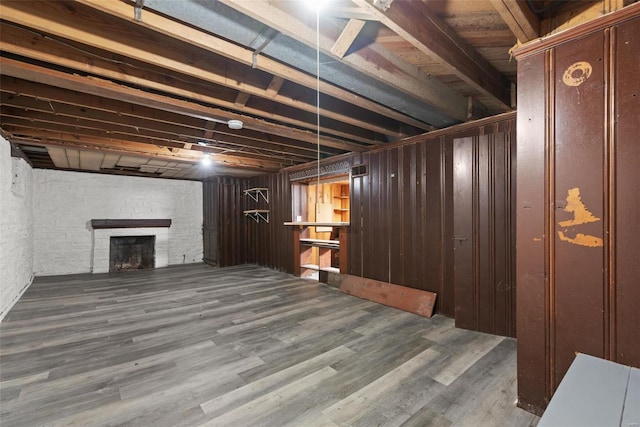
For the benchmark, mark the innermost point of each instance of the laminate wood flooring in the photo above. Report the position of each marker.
(241, 346)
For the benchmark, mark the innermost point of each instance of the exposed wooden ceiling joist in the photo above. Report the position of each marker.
(106, 91)
(519, 17)
(111, 90)
(25, 43)
(61, 139)
(132, 129)
(414, 22)
(245, 56)
(54, 18)
(347, 37)
(401, 76)
(28, 95)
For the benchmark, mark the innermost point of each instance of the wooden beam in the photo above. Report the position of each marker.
(209, 128)
(111, 90)
(17, 152)
(409, 299)
(417, 24)
(95, 123)
(39, 97)
(241, 100)
(69, 140)
(120, 123)
(245, 56)
(522, 22)
(348, 12)
(347, 37)
(406, 78)
(30, 45)
(249, 156)
(274, 86)
(98, 224)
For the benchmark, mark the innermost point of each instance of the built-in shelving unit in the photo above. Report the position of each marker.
(256, 194)
(321, 211)
(313, 254)
(341, 201)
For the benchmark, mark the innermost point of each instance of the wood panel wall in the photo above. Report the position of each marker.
(401, 216)
(578, 202)
(484, 232)
(224, 225)
(401, 226)
(232, 239)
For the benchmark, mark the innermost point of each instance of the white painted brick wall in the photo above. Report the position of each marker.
(66, 202)
(16, 227)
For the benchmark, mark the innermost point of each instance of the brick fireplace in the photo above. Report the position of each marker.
(105, 229)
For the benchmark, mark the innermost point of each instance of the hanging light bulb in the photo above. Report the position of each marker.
(206, 160)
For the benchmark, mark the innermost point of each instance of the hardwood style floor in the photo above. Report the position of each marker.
(195, 345)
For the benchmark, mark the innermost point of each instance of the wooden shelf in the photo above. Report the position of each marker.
(340, 197)
(311, 253)
(255, 194)
(310, 266)
(97, 224)
(341, 210)
(321, 243)
(318, 268)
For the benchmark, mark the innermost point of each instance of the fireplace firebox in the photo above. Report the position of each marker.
(131, 252)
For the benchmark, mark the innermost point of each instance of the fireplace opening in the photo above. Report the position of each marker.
(131, 252)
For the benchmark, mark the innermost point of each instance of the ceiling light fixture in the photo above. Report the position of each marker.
(235, 124)
(206, 160)
(203, 143)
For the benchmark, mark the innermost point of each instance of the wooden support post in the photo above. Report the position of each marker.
(342, 237)
(296, 251)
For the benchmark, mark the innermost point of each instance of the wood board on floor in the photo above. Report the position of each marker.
(408, 299)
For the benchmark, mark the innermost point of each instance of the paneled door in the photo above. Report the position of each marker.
(483, 235)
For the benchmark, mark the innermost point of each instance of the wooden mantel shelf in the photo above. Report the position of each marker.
(97, 224)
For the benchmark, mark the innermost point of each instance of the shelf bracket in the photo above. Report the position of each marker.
(256, 193)
(258, 215)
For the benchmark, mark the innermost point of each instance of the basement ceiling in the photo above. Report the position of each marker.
(148, 87)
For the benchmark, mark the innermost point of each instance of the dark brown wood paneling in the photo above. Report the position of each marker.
(401, 216)
(210, 222)
(225, 227)
(431, 258)
(577, 298)
(402, 220)
(483, 235)
(577, 238)
(355, 231)
(446, 243)
(463, 237)
(271, 244)
(531, 228)
(625, 201)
